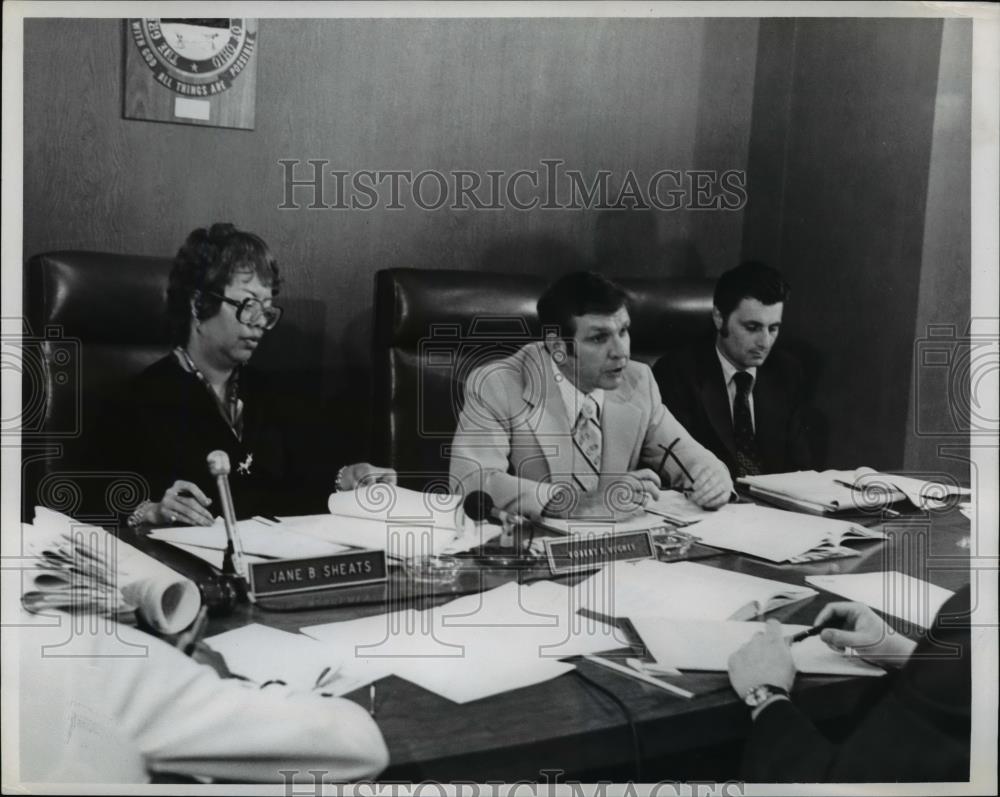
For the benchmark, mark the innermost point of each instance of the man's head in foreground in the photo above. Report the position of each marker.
(585, 323)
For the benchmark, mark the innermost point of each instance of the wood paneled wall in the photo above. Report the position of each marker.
(394, 94)
(840, 157)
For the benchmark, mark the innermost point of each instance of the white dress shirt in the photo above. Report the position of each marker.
(574, 398)
(728, 371)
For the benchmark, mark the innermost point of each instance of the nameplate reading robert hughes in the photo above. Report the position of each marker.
(588, 551)
(286, 576)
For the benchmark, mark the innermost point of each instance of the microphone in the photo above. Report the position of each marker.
(233, 563)
(479, 506)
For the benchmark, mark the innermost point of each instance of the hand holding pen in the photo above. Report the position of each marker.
(847, 624)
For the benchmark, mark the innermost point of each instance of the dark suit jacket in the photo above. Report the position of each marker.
(694, 390)
(917, 731)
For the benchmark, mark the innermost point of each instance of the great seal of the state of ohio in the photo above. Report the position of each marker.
(195, 57)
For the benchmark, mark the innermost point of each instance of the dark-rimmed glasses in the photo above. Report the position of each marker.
(252, 311)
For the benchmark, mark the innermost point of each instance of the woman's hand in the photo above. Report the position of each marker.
(184, 503)
(361, 474)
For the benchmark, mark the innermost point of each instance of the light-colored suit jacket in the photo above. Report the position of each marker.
(514, 437)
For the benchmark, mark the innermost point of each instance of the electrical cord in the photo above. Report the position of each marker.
(636, 744)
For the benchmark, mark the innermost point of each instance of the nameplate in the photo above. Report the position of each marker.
(589, 551)
(287, 576)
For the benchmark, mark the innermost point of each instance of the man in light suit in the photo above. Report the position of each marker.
(737, 396)
(569, 426)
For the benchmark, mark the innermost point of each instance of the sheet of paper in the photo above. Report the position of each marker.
(675, 507)
(924, 494)
(260, 538)
(830, 489)
(644, 522)
(398, 505)
(771, 534)
(399, 540)
(707, 645)
(682, 590)
(213, 556)
(889, 592)
(262, 653)
(478, 645)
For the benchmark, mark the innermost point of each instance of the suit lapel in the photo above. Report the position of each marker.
(552, 430)
(768, 410)
(715, 400)
(620, 429)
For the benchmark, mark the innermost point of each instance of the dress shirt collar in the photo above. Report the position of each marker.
(574, 398)
(728, 369)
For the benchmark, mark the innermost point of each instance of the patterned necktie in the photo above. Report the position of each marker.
(587, 439)
(747, 460)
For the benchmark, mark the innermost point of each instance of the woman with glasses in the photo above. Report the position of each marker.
(203, 396)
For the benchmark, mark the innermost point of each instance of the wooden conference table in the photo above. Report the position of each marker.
(568, 725)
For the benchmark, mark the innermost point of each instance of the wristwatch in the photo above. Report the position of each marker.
(757, 695)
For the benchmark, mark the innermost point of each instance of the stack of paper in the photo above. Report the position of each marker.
(703, 645)
(860, 490)
(779, 536)
(476, 646)
(685, 590)
(823, 493)
(891, 592)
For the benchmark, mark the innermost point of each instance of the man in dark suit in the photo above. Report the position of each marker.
(736, 396)
(916, 729)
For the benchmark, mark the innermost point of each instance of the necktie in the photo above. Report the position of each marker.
(747, 460)
(587, 440)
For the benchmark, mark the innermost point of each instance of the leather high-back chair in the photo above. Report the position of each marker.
(92, 321)
(433, 327)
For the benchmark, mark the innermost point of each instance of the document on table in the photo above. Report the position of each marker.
(685, 590)
(889, 592)
(777, 535)
(260, 538)
(677, 508)
(478, 645)
(849, 490)
(389, 503)
(214, 556)
(707, 645)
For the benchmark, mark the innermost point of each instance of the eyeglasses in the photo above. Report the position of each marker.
(252, 311)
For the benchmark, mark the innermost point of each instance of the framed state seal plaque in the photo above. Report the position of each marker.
(193, 71)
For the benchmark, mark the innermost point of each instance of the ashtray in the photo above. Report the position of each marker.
(672, 544)
(441, 570)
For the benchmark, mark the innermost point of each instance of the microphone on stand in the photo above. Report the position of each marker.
(233, 561)
(479, 506)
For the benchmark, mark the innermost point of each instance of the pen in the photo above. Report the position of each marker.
(834, 622)
(371, 700)
(188, 640)
(799, 637)
(620, 668)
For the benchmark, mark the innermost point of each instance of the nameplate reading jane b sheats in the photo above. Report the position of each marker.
(588, 551)
(287, 576)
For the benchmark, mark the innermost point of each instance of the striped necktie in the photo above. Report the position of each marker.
(587, 440)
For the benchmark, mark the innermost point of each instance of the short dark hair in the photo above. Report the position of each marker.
(576, 294)
(749, 280)
(206, 263)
